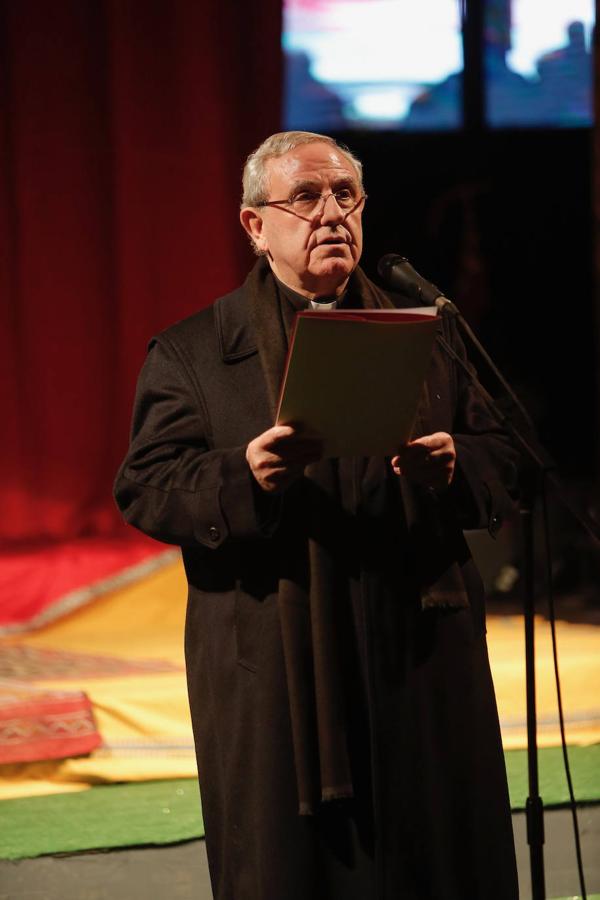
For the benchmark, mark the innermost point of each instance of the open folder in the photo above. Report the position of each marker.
(354, 377)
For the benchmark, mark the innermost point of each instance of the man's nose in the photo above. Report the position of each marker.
(331, 211)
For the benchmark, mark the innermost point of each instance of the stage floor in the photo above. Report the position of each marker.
(180, 871)
(135, 680)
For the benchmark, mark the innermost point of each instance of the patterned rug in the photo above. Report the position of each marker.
(39, 724)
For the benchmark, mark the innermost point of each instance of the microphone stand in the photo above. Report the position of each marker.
(398, 270)
(540, 469)
(534, 809)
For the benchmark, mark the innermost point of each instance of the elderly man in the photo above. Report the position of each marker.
(344, 716)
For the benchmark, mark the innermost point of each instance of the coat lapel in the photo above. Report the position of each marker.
(235, 335)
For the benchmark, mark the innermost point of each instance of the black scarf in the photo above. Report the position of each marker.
(319, 582)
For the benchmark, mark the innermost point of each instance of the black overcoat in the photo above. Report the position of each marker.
(431, 816)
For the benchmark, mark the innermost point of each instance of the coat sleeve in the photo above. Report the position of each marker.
(172, 485)
(486, 482)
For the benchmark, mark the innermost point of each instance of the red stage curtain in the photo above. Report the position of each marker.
(596, 232)
(123, 129)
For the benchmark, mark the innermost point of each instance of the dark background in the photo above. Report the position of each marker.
(124, 125)
(502, 223)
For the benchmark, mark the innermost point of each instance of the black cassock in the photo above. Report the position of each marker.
(430, 816)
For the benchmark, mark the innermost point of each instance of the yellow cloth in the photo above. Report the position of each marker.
(579, 669)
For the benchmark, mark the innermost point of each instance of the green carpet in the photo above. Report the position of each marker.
(585, 772)
(165, 812)
(108, 816)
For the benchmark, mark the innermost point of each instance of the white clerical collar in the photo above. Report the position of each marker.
(323, 305)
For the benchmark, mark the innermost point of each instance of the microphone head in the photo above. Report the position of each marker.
(398, 273)
(387, 264)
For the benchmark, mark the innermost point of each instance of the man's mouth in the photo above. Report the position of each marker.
(333, 240)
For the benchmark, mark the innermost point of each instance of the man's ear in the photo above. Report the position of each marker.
(252, 223)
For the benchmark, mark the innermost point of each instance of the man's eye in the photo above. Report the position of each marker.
(306, 197)
(344, 194)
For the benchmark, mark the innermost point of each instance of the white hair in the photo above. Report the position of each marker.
(255, 178)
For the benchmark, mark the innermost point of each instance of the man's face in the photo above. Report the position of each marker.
(313, 255)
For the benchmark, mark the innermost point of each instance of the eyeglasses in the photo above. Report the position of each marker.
(308, 204)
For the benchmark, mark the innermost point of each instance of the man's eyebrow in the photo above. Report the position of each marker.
(345, 181)
(306, 184)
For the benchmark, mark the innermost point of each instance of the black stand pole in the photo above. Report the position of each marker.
(534, 808)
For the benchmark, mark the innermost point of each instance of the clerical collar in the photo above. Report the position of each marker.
(324, 305)
(299, 301)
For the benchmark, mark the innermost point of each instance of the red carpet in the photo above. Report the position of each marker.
(40, 583)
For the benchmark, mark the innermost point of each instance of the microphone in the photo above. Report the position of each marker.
(398, 273)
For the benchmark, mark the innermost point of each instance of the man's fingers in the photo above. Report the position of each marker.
(284, 436)
(430, 447)
(431, 442)
(274, 461)
(280, 434)
(279, 455)
(276, 434)
(428, 461)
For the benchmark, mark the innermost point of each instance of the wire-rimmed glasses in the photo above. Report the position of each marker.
(309, 204)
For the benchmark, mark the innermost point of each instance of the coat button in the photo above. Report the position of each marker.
(214, 533)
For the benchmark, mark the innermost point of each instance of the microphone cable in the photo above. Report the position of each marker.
(561, 718)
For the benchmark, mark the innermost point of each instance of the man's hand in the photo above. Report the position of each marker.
(278, 456)
(428, 461)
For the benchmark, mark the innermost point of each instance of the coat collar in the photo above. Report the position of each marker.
(235, 334)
